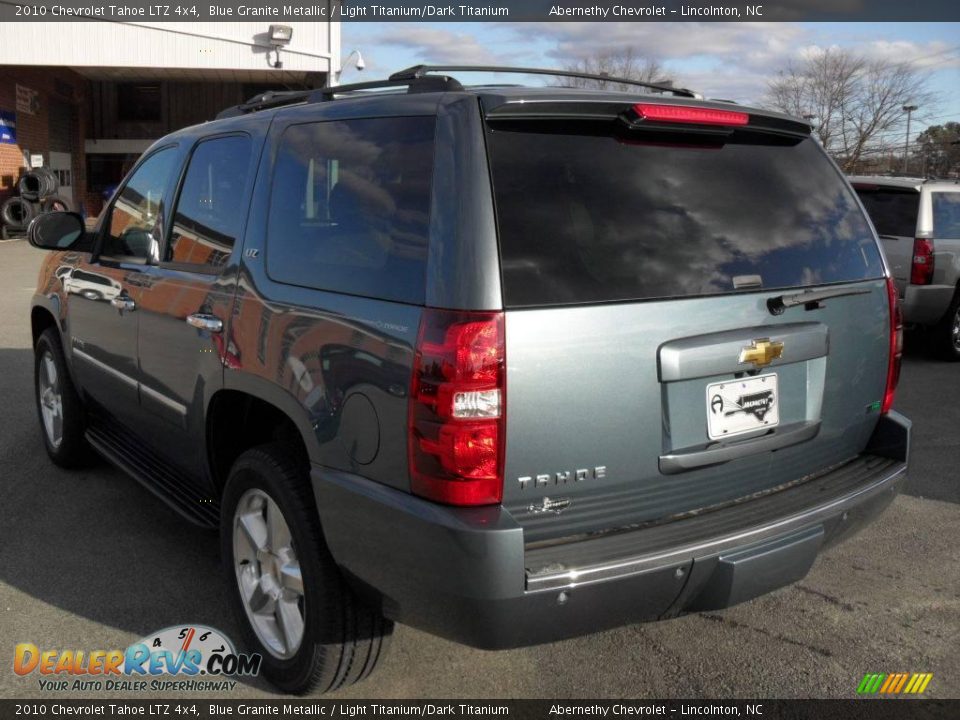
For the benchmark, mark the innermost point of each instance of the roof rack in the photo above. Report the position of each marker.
(418, 72)
(269, 99)
(417, 79)
(280, 98)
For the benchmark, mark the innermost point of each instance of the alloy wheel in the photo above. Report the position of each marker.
(268, 573)
(51, 400)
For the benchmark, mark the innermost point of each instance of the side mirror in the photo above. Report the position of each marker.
(55, 230)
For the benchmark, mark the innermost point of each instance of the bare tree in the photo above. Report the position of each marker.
(619, 63)
(850, 99)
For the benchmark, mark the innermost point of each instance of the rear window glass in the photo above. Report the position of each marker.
(350, 207)
(893, 211)
(946, 215)
(594, 218)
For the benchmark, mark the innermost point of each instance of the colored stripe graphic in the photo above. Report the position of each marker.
(894, 683)
(903, 681)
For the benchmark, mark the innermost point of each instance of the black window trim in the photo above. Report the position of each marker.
(97, 255)
(202, 268)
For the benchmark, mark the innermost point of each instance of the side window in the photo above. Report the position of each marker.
(350, 207)
(133, 229)
(946, 215)
(208, 216)
(893, 212)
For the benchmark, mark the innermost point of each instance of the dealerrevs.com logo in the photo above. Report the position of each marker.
(191, 657)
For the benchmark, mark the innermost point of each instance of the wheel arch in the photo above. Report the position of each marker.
(41, 318)
(238, 419)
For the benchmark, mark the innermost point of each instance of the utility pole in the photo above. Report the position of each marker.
(908, 109)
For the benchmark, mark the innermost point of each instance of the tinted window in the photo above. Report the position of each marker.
(593, 218)
(91, 277)
(350, 207)
(209, 212)
(893, 212)
(134, 229)
(946, 215)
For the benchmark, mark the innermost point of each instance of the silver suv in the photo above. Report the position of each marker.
(506, 364)
(919, 225)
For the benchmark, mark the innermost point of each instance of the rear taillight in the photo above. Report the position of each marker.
(685, 114)
(921, 269)
(456, 424)
(896, 346)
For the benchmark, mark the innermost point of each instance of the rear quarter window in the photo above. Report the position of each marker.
(350, 207)
(592, 217)
(892, 210)
(946, 215)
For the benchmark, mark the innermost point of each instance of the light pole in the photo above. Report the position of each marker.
(908, 109)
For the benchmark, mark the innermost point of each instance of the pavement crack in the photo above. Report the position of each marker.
(828, 598)
(776, 636)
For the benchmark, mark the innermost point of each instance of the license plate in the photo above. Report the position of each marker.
(736, 407)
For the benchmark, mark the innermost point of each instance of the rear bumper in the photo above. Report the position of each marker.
(465, 574)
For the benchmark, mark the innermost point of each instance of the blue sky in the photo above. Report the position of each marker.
(727, 60)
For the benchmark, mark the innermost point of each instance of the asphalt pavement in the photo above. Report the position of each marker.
(90, 560)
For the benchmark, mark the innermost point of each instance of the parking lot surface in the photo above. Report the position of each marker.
(90, 560)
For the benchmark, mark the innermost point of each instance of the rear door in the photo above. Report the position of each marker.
(647, 377)
(894, 213)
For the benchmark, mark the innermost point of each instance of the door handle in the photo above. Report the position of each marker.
(202, 321)
(122, 303)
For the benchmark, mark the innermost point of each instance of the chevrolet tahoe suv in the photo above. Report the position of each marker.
(919, 225)
(506, 364)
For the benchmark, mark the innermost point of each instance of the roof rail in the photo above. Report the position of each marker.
(418, 72)
(280, 98)
(269, 99)
(417, 79)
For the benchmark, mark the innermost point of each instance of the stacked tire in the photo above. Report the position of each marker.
(38, 194)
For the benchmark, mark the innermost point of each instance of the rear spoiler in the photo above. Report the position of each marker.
(631, 114)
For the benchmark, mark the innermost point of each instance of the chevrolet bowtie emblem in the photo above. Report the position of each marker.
(761, 352)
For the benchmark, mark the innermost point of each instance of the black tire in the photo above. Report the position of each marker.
(54, 203)
(17, 213)
(948, 331)
(51, 183)
(343, 640)
(72, 450)
(37, 183)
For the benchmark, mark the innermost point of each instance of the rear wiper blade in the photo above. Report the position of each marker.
(777, 305)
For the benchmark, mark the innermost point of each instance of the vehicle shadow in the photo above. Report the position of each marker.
(93, 542)
(929, 394)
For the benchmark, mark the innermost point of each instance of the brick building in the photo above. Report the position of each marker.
(86, 98)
